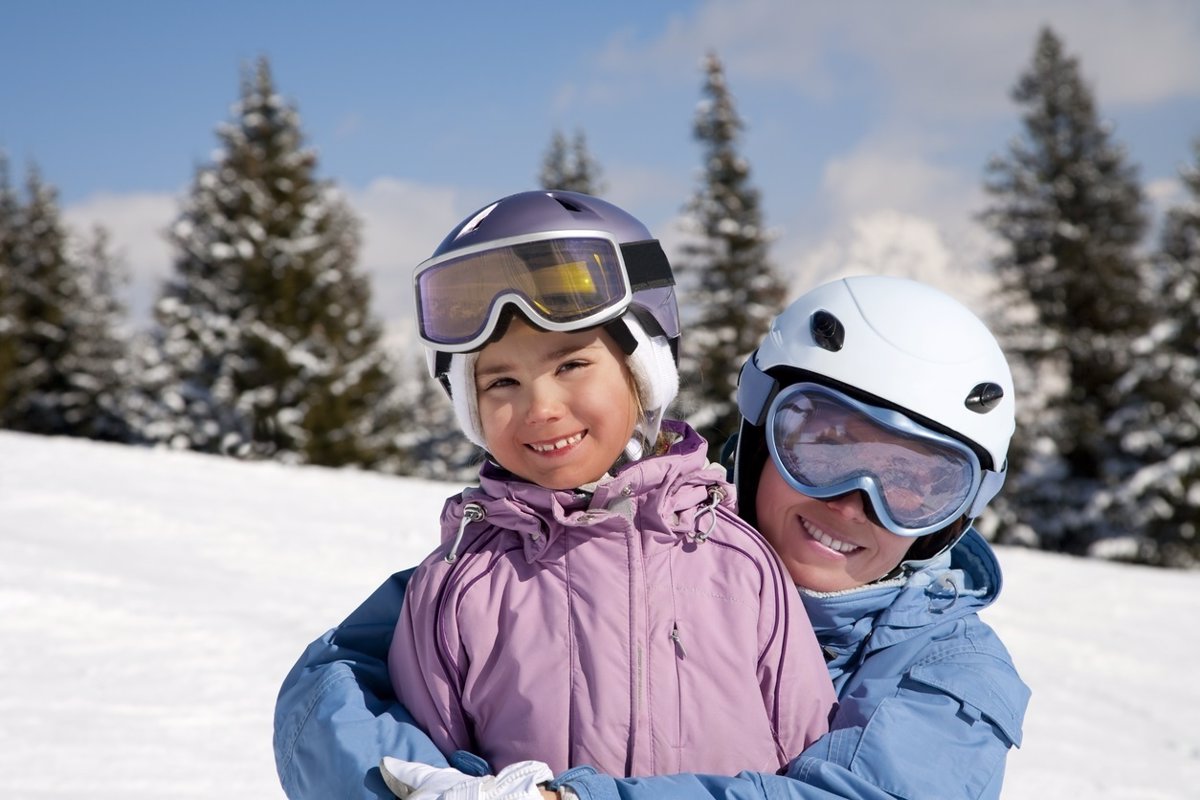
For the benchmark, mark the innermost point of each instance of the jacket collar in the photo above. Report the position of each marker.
(674, 484)
(955, 584)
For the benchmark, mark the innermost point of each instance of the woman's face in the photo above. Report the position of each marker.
(826, 545)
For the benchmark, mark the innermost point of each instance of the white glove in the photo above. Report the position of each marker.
(413, 781)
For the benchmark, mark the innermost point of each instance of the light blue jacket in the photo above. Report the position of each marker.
(336, 714)
(929, 701)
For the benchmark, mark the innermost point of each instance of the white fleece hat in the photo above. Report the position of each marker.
(654, 374)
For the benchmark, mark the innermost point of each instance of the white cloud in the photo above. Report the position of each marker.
(955, 60)
(402, 223)
(1138, 53)
(948, 59)
(891, 178)
(888, 242)
(137, 225)
(651, 194)
(1165, 193)
(892, 212)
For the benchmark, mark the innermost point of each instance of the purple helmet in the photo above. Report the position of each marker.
(564, 261)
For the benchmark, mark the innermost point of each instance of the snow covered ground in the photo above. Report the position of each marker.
(151, 602)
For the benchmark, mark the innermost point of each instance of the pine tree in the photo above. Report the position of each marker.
(98, 362)
(61, 358)
(1158, 485)
(265, 345)
(570, 166)
(730, 289)
(44, 292)
(434, 446)
(1069, 208)
(9, 320)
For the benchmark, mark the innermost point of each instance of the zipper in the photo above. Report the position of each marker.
(675, 637)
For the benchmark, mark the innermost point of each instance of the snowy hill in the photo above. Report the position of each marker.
(151, 602)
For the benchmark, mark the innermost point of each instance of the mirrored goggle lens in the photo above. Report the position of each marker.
(561, 281)
(828, 445)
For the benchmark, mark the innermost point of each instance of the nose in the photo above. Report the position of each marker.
(849, 506)
(545, 403)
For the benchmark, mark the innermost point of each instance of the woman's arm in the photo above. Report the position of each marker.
(336, 715)
(746, 786)
(945, 732)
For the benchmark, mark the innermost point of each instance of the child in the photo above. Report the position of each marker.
(595, 600)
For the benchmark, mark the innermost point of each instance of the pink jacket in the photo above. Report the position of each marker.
(642, 629)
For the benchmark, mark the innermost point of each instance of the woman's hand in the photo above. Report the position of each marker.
(411, 780)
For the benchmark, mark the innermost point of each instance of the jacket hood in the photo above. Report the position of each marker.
(674, 487)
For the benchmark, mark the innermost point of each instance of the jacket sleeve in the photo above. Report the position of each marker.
(746, 786)
(945, 733)
(336, 714)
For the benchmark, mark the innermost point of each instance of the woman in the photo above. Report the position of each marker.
(876, 420)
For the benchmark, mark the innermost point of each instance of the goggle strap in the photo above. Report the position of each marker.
(756, 390)
(647, 265)
(621, 334)
(989, 487)
(441, 368)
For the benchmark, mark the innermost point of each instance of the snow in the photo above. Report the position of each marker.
(152, 601)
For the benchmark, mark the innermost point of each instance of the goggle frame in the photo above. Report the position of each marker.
(514, 297)
(869, 484)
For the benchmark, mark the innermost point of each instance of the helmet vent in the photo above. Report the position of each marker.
(475, 221)
(827, 331)
(984, 397)
(572, 207)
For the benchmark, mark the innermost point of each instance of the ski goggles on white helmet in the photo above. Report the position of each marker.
(560, 280)
(825, 444)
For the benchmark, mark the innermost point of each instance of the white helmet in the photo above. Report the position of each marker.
(888, 342)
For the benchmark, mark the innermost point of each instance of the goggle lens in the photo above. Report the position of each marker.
(559, 281)
(828, 444)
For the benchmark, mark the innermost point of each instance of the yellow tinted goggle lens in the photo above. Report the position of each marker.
(560, 281)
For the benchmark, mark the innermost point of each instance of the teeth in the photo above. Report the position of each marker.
(559, 445)
(827, 540)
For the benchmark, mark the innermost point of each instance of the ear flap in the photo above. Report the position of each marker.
(461, 377)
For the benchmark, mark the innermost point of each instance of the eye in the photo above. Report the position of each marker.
(573, 364)
(497, 383)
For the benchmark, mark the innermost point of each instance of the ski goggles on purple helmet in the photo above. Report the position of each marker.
(560, 280)
(825, 443)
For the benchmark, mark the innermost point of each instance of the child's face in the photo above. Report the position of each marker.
(826, 545)
(556, 408)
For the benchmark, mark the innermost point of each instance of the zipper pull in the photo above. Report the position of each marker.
(678, 642)
(715, 496)
(472, 512)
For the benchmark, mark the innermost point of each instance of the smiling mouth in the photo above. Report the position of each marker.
(550, 447)
(823, 538)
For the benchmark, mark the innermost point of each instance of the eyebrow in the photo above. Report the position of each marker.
(555, 355)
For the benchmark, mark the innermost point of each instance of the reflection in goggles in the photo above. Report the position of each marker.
(557, 282)
(827, 444)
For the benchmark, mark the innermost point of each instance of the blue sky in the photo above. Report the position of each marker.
(868, 123)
